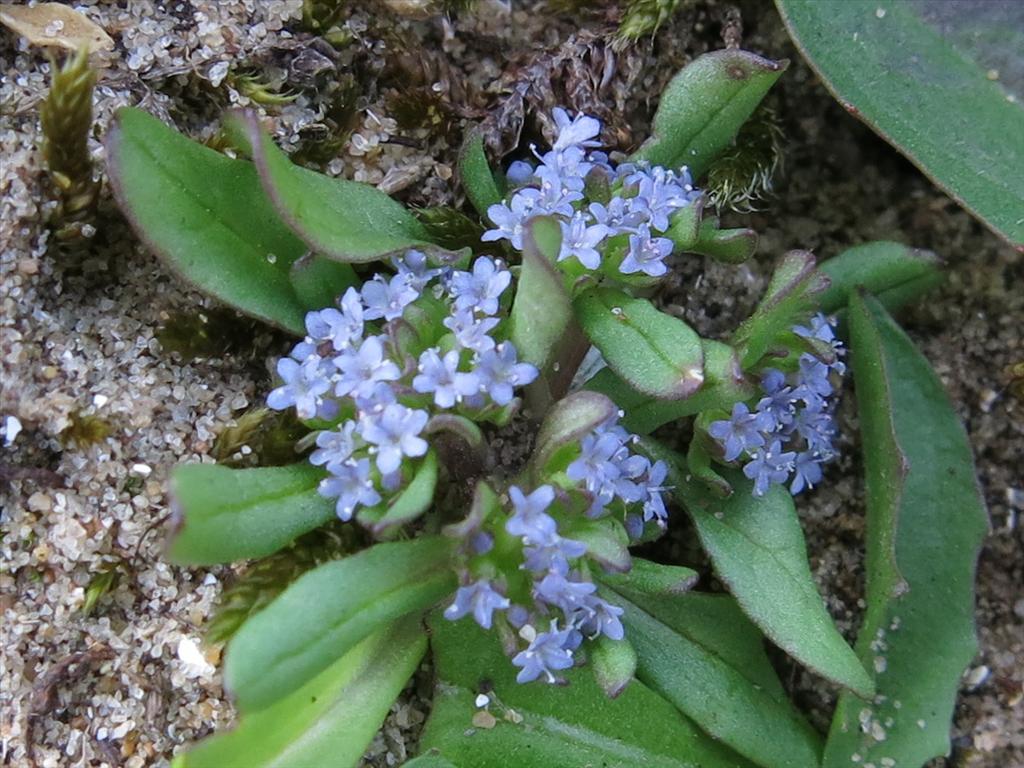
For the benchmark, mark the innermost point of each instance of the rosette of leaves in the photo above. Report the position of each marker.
(315, 669)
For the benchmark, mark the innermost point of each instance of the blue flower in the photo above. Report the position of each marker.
(442, 377)
(553, 556)
(351, 484)
(304, 387)
(769, 464)
(480, 289)
(580, 240)
(530, 519)
(510, 219)
(334, 448)
(387, 298)
(548, 652)
(740, 433)
(653, 487)
(806, 472)
(599, 617)
(813, 379)
(395, 433)
(568, 595)
(479, 598)
(579, 131)
(519, 173)
(646, 254)
(415, 269)
(499, 372)
(361, 369)
(471, 332)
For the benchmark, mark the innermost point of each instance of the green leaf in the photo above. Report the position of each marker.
(729, 246)
(657, 354)
(235, 514)
(542, 312)
(892, 272)
(475, 174)
(684, 228)
(413, 501)
(606, 539)
(614, 663)
(318, 282)
(341, 219)
(205, 216)
(925, 525)
(328, 721)
(647, 578)
(704, 106)
(704, 656)
(724, 384)
(330, 609)
(539, 726)
(919, 74)
(790, 296)
(758, 550)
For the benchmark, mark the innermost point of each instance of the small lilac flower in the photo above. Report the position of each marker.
(479, 598)
(361, 369)
(602, 618)
(480, 289)
(557, 590)
(813, 377)
(519, 173)
(579, 131)
(816, 426)
(380, 396)
(546, 654)
(770, 464)
(510, 219)
(653, 484)
(500, 371)
(646, 254)
(530, 519)
(560, 186)
(554, 556)
(580, 240)
(333, 448)
(304, 387)
(442, 377)
(741, 432)
(806, 472)
(470, 332)
(395, 433)
(821, 328)
(414, 268)
(778, 404)
(388, 298)
(351, 484)
(598, 467)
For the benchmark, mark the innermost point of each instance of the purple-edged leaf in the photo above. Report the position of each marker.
(341, 219)
(614, 662)
(475, 174)
(941, 81)
(205, 216)
(655, 353)
(790, 296)
(729, 246)
(724, 384)
(656, 579)
(566, 423)
(328, 721)
(894, 273)
(925, 526)
(704, 106)
(330, 609)
(227, 514)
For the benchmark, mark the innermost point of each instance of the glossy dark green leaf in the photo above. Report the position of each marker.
(476, 176)
(328, 721)
(790, 296)
(941, 81)
(704, 106)
(656, 353)
(413, 501)
(342, 219)
(234, 514)
(724, 384)
(540, 726)
(704, 656)
(205, 216)
(894, 273)
(318, 282)
(329, 610)
(758, 550)
(925, 525)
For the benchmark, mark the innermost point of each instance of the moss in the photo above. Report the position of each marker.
(85, 429)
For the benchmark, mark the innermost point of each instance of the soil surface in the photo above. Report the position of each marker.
(129, 683)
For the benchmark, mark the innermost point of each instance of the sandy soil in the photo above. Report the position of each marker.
(78, 339)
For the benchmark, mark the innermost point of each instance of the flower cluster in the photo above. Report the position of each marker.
(639, 209)
(557, 604)
(351, 365)
(790, 432)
